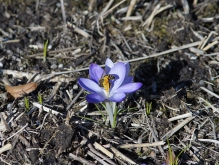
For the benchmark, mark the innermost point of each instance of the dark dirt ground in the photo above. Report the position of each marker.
(179, 82)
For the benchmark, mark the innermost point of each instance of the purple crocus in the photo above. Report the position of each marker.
(110, 85)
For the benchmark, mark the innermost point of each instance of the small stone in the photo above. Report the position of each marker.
(53, 66)
(60, 66)
(75, 87)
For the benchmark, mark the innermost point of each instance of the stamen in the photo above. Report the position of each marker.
(105, 82)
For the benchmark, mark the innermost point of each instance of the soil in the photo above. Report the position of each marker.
(172, 47)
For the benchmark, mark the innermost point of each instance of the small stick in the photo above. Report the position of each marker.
(104, 150)
(77, 49)
(210, 92)
(210, 45)
(63, 11)
(80, 159)
(107, 6)
(111, 10)
(210, 105)
(122, 156)
(91, 5)
(96, 158)
(180, 117)
(100, 155)
(175, 129)
(54, 91)
(158, 143)
(17, 132)
(153, 134)
(131, 7)
(78, 30)
(5, 148)
(206, 40)
(3, 161)
(105, 14)
(46, 109)
(73, 101)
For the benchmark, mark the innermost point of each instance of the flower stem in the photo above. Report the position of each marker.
(110, 108)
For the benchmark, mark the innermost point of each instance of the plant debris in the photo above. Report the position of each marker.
(172, 47)
(21, 90)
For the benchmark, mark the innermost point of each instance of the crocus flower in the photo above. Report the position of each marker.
(110, 85)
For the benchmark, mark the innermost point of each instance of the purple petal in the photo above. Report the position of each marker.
(117, 97)
(96, 72)
(129, 88)
(127, 66)
(119, 72)
(127, 80)
(108, 65)
(90, 85)
(95, 98)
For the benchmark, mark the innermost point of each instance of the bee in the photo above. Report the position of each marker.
(105, 81)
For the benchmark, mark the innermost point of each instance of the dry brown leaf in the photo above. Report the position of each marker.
(21, 90)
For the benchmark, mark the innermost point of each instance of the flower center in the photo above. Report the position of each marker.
(105, 82)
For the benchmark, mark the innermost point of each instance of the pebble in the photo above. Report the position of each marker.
(53, 66)
(60, 66)
(75, 87)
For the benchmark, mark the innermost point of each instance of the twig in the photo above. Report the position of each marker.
(17, 132)
(100, 155)
(46, 109)
(213, 128)
(50, 53)
(63, 11)
(131, 7)
(209, 140)
(175, 129)
(54, 91)
(210, 45)
(185, 6)
(5, 148)
(122, 156)
(158, 143)
(105, 14)
(167, 51)
(206, 40)
(96, 158)
(180, 117)
(10, 41)
(104, 150)
(78, 30)
(111, 10)
(73, 101)
(44, 119)
(133, 18)
(3, 161)
(107, 6)
(153, 134)
(80, 159)
(91, 5)
(210, 92)
(120, 52)
(210, 105)
(156, 10)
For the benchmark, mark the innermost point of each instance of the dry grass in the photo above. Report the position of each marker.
(173, 50)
